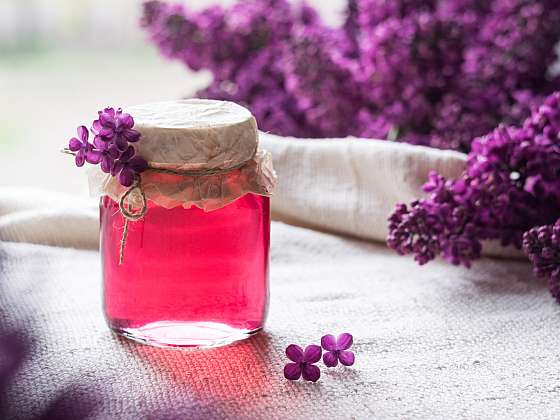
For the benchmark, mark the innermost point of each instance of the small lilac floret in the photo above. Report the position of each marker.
(303, 363)
(82, 147)
(128, 166)
(111, 146)
(115, 126)
(337, 349)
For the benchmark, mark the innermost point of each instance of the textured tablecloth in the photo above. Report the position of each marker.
(437, 342)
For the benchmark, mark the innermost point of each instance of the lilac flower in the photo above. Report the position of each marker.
(82, 148)
(320, 82)
(127, 166)
(303, 363)
(113, 133)
(337, 349)
(116, 127)
(542, 245)
(510, 184)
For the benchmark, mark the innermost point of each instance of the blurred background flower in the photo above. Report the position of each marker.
(437, 73)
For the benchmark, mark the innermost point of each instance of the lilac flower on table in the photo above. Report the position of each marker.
(127, 166)
(303, 363)
(116, 127)
(337, 349)
(82, 147)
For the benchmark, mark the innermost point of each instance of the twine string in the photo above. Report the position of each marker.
(130, 213)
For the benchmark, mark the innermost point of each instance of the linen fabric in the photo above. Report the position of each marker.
(436, 342)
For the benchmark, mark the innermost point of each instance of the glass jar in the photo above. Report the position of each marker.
(189, 277)
(184, 244)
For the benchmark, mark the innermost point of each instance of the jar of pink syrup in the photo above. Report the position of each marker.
(192, 271)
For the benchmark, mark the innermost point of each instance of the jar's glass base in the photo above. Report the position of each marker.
(185, 334)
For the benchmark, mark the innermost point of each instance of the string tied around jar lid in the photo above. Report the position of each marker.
(133, 204)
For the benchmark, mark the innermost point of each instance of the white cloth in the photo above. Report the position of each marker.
(47, 217)
(351, 186)
(437, 342)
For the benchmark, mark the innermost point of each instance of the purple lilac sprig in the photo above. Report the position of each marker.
(111, 147)
(83, 149)
(511, 184)
(302, 363)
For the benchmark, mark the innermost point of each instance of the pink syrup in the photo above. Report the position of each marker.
(189, 277)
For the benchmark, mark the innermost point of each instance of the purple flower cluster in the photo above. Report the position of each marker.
(511, 184)
(438, 73)
(113, 132)
(542, 246)
(302, 363)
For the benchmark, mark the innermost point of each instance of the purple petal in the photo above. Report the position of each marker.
(106, 164)
(113, 151)
(80, 158)
(131, 135)
(292, 371)
(74, 144)
(294, 353)
(328, 342)
(107, 117)
(122, 143)
(106, 134)
(94, 157)
(330, 359)
(117, 167)
(312, 353)
(100, 143)
(138, 164)
(96, 126)
(83, 133)
(311, 372)
(344, 341)
(346, 357)
(127, 154)
(125, 121)
(126, 177)
(109, 111)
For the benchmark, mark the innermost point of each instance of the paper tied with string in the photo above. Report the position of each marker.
(208, 192)
(201, 153)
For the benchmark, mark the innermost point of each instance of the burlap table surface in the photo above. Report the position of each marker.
(432, 342)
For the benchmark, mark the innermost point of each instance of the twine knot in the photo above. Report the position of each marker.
(133, 207)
